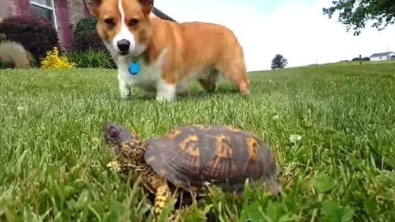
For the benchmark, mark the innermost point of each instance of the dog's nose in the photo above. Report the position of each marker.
(123, 45)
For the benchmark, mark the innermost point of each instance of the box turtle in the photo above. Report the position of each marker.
(192, 158)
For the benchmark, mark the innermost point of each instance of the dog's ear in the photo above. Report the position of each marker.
(147, 5)
(93, 6)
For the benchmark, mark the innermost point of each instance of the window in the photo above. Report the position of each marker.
(45, 9)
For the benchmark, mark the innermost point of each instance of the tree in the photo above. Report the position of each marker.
(354, 14)
(279, 62)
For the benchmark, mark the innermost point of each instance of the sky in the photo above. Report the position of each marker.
(296, 29)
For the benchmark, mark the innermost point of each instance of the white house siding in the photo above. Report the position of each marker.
(382, 58)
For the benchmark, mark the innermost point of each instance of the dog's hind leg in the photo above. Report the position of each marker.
(210, 81)
(235, 70)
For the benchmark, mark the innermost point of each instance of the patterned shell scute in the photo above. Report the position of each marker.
(224, 156)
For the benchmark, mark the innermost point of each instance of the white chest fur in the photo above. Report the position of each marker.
(149, 77)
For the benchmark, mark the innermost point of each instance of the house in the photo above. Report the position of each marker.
(382, 56)
(64, 14)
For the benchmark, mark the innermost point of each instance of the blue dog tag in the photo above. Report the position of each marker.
(134, 68)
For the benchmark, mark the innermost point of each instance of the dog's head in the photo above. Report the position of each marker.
(123, 25)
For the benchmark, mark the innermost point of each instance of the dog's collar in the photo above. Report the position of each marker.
(137, 58)
(134, 67)
(135, 61)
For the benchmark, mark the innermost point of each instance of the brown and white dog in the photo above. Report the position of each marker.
(169, 55)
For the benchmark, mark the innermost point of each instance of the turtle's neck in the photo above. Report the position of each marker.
(132, 153)
(140, 161)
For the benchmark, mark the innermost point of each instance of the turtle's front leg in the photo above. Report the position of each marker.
(163, 194)
(114, 165)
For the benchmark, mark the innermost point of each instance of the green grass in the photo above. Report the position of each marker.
(357, 63)
(52, 159)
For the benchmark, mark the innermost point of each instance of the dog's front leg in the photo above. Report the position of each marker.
(124, 78)
(124, 89)
(165, 92)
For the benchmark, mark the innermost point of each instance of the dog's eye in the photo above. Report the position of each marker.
(133, 22)
(109, 22)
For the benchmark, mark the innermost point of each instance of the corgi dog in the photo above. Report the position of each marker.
(166, 56)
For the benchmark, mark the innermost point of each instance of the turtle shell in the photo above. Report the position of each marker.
(192, 156)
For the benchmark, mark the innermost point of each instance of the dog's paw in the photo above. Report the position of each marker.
(162, 99)
(125, 93)
(125, 96)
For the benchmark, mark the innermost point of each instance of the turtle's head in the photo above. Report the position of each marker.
(128, 149)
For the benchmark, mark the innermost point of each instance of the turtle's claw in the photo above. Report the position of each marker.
(114, 166)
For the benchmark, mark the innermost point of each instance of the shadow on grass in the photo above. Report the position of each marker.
(192, 94)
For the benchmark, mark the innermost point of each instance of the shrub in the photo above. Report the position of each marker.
(14, 55)
(86, 37)
(91, 59)
(36, 34)
(88, 41)
(32, 60)
(85, 25)
(91, 41)
(55, 61)
(2, 37)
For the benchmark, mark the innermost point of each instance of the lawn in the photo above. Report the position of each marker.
(53, 158)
